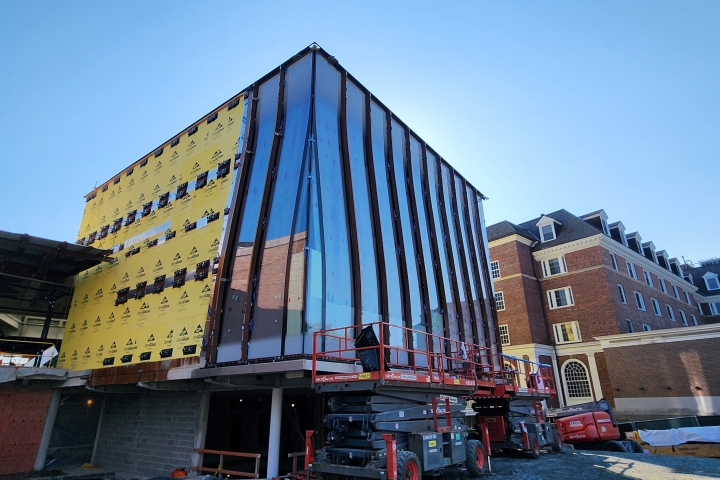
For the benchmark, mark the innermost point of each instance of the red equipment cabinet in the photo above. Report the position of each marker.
(587, 427)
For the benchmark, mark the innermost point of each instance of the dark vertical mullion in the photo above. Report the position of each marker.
(417, 241)
(400, 253)
(448, 251)
(350, 202)
(464, 270)
(474, 261)
(227, 255)
(435, 245)
(375, 213)
(491, 309)
(261, 231)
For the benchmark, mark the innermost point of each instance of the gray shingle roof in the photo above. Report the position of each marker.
(572, 228)
(505, 229)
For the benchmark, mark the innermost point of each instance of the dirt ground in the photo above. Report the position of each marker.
(587, 465)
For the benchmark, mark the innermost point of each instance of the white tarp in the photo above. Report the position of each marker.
(678, 436)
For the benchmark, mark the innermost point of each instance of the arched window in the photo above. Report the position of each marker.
(576, 380)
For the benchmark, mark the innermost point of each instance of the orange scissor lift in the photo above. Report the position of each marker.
(399, 401)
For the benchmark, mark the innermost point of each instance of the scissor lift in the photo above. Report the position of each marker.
(513, 412)
(401, 409)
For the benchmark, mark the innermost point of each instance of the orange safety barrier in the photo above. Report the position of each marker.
(221, 467)
(404, 355)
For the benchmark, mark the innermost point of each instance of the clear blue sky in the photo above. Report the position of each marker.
(541, 105)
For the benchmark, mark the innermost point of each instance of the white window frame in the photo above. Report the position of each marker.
(687, 298)
(495, 268)
(683, 317)
(657, 309)
(640, 301)
(568, 296)
(605, 228)
(499, 302)
(699, 308)
(671, 313)
(648, 278)
(631, 270)
(613, 258)
(542, 234)
(663, 286)
(711, 276)
(631, 327)
(572, 400)
(575, 329)
(676, 294)
(504, 332)
(713, 308)
(623, 297)
(694, 319)
(646, 327)
(561, 264)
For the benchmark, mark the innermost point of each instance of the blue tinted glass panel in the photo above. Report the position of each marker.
(453, 240)
(267, 111)
(473, 294)
(413, 280)
(453, 329)
(363, 216)
(392, 279)
(338, 273)
(421, 203)
(236, 298)
(268, 307)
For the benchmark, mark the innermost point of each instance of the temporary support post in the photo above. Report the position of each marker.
(309, 449)
(486, 442)
(201, 429)
(274, 442)
(97, 430)
(47, 430)
(391, 447)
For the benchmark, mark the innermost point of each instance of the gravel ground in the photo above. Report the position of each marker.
(587, 465)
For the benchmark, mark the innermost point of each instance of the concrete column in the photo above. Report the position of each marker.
(201, 429)
(97, 431)
(47, 430)
(558, 381)
(274, 443)
(595, 376)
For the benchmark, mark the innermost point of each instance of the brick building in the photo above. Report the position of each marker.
(706, 276)
(567, 288)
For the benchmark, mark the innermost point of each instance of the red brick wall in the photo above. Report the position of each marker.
(605, 383)
(22, 419)
(671, 369)
(523, 309)
(631, 311)
(593, 309)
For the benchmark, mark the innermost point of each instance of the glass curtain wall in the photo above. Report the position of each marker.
(267, 315)
(292, 268)
(338, 299)
(452, 327)
(394, 314)
(236, 299)
(356, 121)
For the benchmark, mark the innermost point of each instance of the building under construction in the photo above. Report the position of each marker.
(301, 205)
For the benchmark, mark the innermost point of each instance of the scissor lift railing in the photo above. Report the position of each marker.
(521, 376)
(404, 356)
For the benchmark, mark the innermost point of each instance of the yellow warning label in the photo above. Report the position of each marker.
(164, 233)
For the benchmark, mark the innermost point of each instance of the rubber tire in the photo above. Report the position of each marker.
(637, 448)
(614, 446)
(557, 444)
(534, 451)
(405, 461)
(472, 448)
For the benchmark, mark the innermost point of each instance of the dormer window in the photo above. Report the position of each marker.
(547, 232)
(605, 228)
(546, 226)
(711, 281)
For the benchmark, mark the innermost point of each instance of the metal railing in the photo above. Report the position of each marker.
(402, 354)
(221, 465)
(406, 355)
(19, 356)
